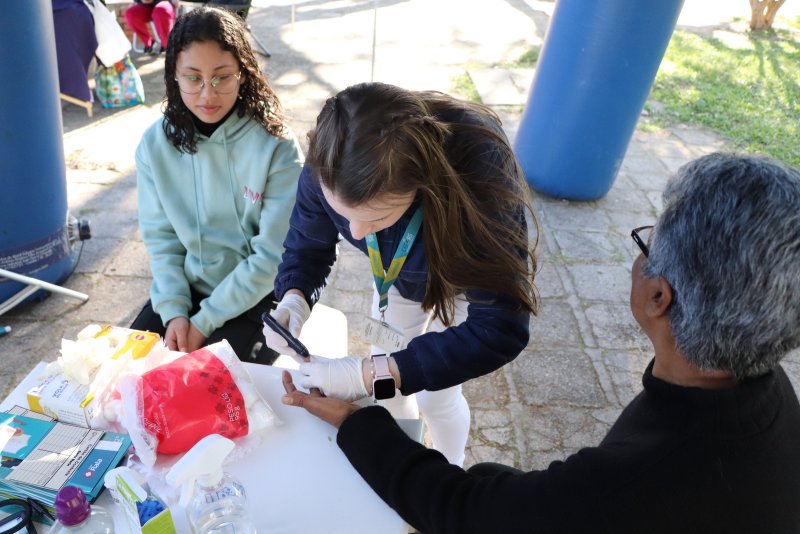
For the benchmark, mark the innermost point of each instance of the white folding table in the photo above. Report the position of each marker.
(297, 479)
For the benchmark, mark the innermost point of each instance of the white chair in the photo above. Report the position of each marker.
(138, 45)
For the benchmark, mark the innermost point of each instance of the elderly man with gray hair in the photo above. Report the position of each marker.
(712, 444)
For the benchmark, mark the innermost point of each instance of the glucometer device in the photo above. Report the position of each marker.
(293, 342)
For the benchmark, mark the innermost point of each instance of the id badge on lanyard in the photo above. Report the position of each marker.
(377, 331)
(381, 334)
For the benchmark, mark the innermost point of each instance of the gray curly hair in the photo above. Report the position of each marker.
(728, 243)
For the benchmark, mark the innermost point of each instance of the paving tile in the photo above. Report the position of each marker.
(623, 222)
(650, 180)
(554, 432)
(488, 394)
(573, 215)
(547, 280)
(97, 254)
(581, 245)
(694, 136)
(614, 327)
(626, 369)
(644, 162)
(502, 87)
(554, 376)
(656, 202)
(601, 282)
(626, 200)
(555, 326)
(130, 259)
(353, 272)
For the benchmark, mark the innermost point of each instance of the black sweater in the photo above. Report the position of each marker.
(677, 460)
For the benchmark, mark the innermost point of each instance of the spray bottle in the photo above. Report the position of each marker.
(214, 501)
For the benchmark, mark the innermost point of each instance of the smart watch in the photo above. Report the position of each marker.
(383, 385)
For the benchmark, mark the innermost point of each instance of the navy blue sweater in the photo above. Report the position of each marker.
(495, 331)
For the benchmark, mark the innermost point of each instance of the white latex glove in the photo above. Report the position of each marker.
(340, 377)
(292, 312)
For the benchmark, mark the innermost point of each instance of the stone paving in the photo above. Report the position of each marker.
(586, 354)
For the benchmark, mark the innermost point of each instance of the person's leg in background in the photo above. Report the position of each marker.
(245, 334)
(149, 321)
(445, 412)
(408, 317)
(163, 17)
(137, 17)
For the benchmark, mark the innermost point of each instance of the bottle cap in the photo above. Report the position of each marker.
(71, 506)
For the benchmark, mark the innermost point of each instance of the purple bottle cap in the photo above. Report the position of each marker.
(71, 506)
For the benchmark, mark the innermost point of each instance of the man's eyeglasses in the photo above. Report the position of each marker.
(641, 236)
(222, 84)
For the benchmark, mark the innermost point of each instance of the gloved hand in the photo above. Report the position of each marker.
(340, 377)
(292, 312)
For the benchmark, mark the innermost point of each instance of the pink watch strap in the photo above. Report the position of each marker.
(381, 367)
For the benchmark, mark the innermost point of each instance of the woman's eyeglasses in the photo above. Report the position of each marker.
(222, 84)
(641, 236)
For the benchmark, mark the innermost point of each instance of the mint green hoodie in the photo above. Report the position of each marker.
(215, 220)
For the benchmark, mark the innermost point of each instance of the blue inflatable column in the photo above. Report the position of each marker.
(34, 238)
(594, 74)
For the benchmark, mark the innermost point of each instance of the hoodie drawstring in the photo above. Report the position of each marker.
(197, 214)
(234, 193)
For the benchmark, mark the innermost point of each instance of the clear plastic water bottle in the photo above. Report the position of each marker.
(220, 508)
(75, 515)
(215, 502)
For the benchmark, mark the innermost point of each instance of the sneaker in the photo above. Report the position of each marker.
(154, 49)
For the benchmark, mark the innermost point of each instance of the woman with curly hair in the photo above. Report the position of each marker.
(217, 177)
(428, 187)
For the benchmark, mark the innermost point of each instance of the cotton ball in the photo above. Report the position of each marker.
(89, 332)
(51, 369)
(111, 410)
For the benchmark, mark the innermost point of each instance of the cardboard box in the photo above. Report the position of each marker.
(125, 340)
(127, 493)
(63, 400)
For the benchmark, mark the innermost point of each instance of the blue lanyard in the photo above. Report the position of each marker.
(385, 280)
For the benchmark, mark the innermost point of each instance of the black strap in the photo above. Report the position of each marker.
(23, 517)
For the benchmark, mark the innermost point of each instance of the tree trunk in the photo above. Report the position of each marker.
(763, 13)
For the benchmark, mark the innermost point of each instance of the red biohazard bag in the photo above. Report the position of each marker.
(205, 392)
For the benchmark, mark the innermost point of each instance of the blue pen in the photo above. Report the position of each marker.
(4, 330)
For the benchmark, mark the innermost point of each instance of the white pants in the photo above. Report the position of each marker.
(445, 412)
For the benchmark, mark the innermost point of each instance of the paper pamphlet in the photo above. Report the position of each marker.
(39, 456)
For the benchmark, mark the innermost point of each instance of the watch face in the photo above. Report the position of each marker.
(383, 388)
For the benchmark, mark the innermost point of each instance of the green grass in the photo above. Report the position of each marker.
(464, 87)
(750, 95)
(528, 59)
